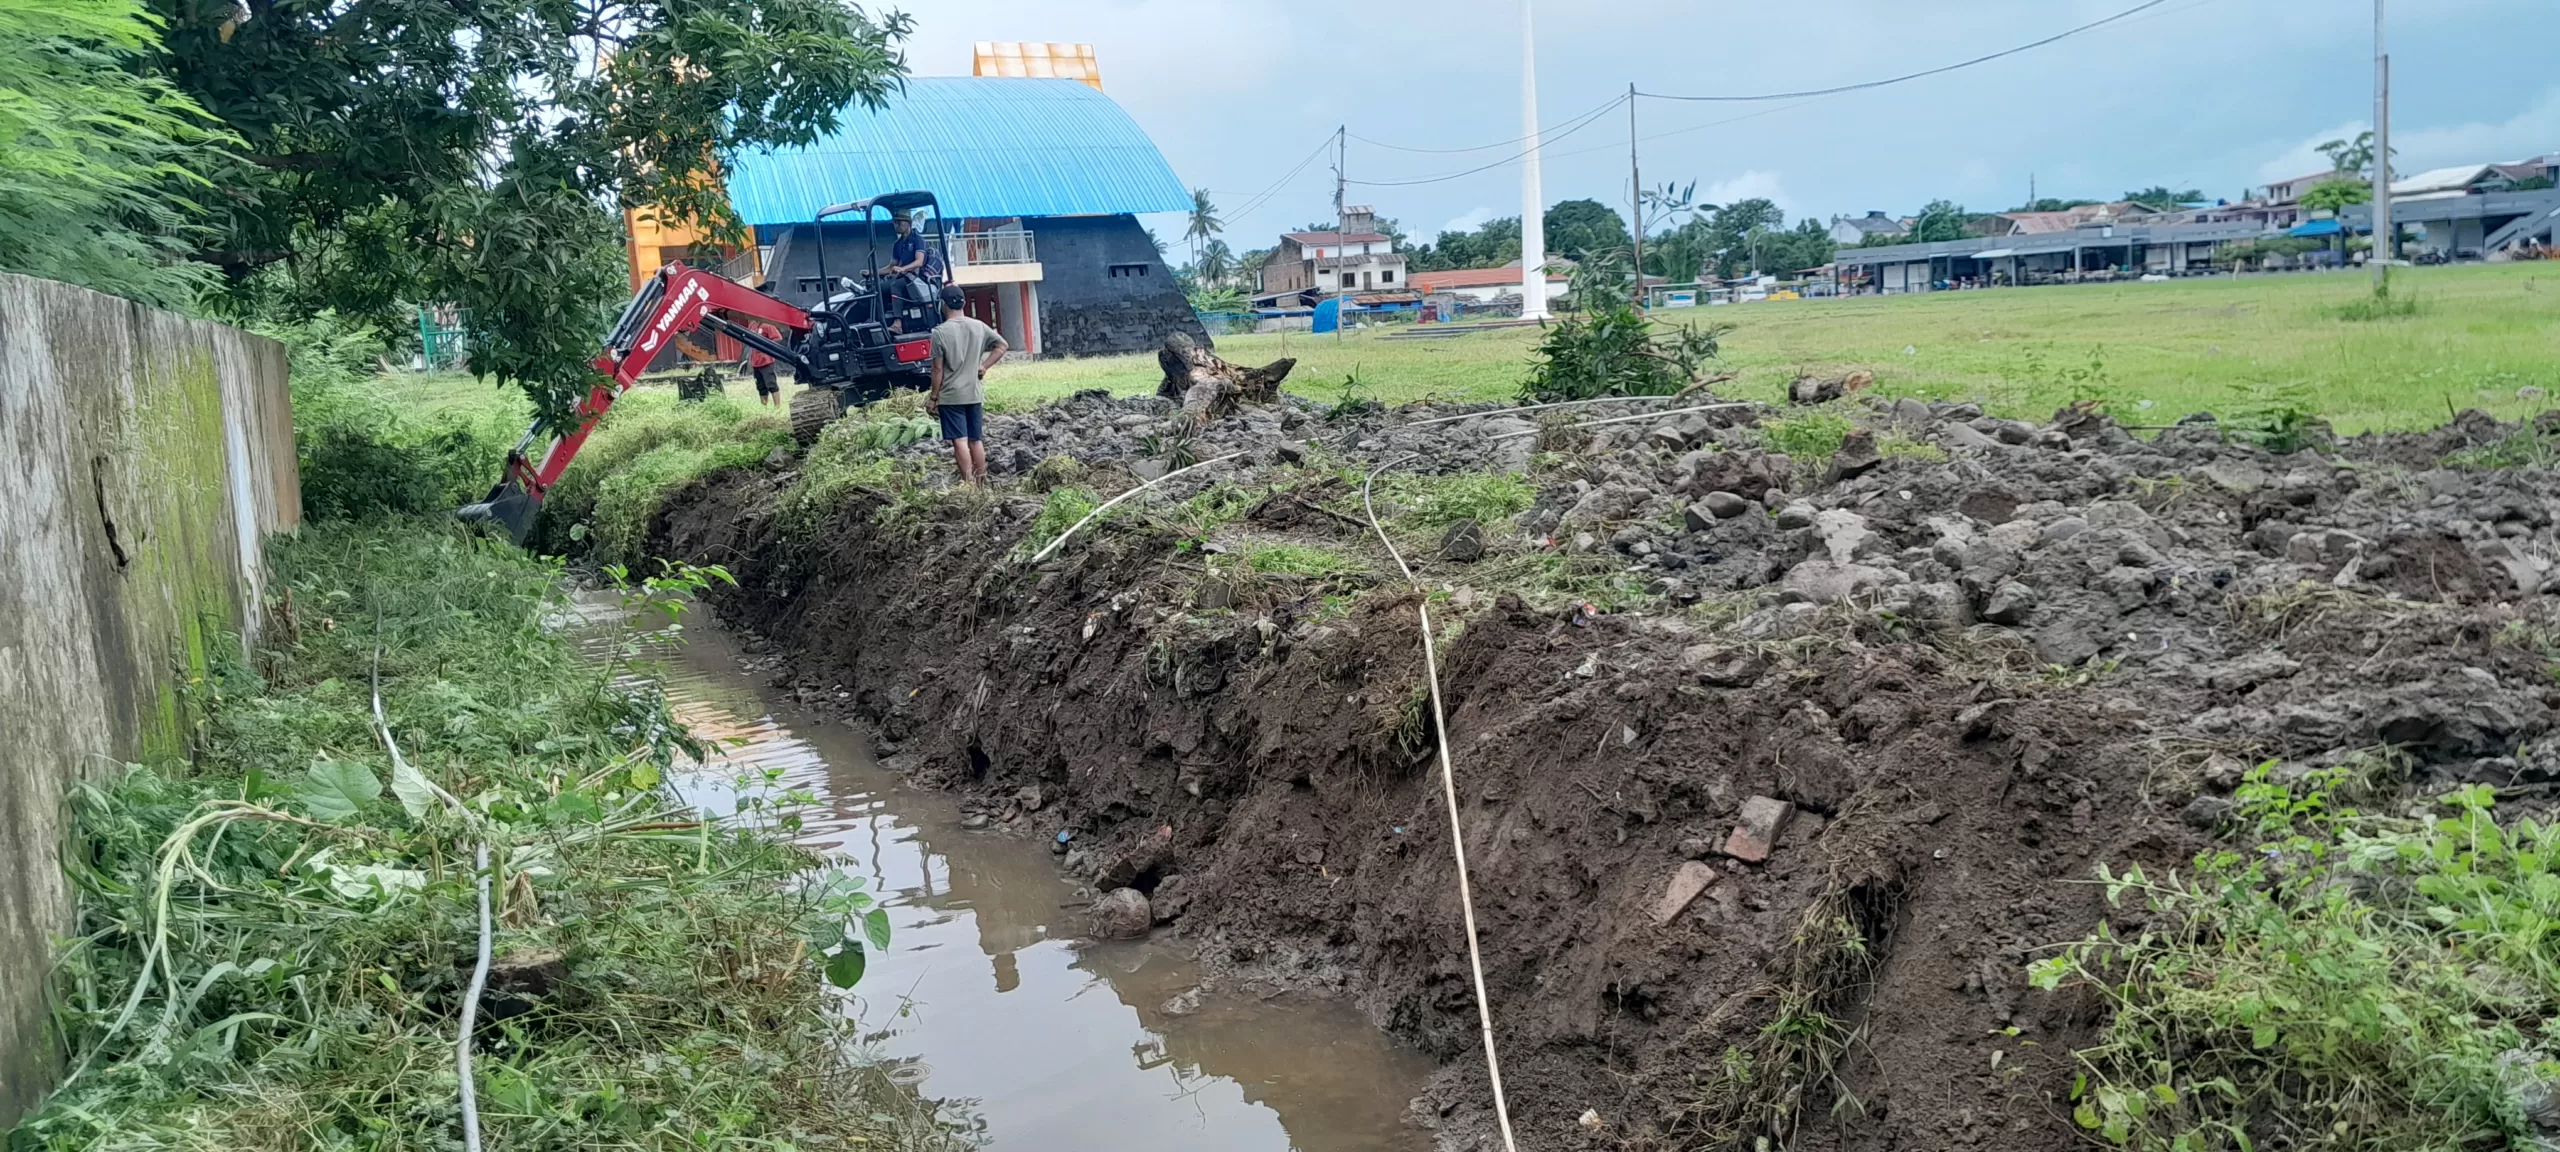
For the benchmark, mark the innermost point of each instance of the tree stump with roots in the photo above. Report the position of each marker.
(1208, 387)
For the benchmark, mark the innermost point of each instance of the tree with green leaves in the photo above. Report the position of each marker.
(1203, 224)
(2052, 204)
(1493, 245)
(1580, 229)
(1940, 220)
(1737, 231)
(412, 150)
(2354, 157)
(102, 173)
(2332, 195)
(2159, 198)
(1216, 264)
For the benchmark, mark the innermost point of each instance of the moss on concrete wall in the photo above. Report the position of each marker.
(143, 458)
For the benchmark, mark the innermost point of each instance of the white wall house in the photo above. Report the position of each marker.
(1355, 257)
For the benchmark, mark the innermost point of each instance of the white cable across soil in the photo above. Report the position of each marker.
(469, 1089)
(1089, 517)
(1449, 791)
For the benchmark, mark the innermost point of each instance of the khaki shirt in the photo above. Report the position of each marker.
(960, 344)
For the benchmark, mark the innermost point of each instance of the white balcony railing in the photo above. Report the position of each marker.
(1004, 246)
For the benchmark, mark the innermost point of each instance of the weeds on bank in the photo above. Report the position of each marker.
(850, 455)
(270, 949)
(1758, 1094)
(2280, 418)
(2347, 980)
(2382, 304)
(1812, 437)
(2528, 447)
(1488, 498)
(645, 449)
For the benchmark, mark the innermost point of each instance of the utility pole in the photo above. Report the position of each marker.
(1339, 148)
(2383, 247)
(1635, 177)
(1533, 219)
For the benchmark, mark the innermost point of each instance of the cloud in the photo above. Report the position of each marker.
(2531, 132)
(1468, 221)
(2304, 157)
(1751, 184)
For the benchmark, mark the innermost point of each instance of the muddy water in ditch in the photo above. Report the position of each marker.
(1047, 1040)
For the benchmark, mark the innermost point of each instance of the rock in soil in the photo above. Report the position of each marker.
(1122, 914)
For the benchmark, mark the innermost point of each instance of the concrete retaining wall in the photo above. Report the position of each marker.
(144, 458)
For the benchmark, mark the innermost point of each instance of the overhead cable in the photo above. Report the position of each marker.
(1545, 138)
(1480, 147)
(2128, 13)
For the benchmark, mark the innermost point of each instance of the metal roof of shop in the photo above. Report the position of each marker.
(986, 146)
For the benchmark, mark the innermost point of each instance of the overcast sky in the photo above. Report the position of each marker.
(2209, 94)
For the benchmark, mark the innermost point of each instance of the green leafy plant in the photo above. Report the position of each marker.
(1812, 436)
(272, 934)
(2278, 418)
(1611, 349)
(2380, 304)
(1353, 400)
(2348, 981)
(1177, 447)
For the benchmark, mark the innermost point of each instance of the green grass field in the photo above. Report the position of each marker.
(2153, 352)
(2481, 333)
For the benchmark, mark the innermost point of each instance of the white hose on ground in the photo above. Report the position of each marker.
(471, 1010)
(1449, 791)
(1089, 517)
(1629, 419)
(469, 1089)
(1493, 412)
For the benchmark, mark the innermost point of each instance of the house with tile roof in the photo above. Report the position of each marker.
(1353, 257)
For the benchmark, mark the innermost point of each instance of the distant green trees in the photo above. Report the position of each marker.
(2333, 195)
(1940, 220)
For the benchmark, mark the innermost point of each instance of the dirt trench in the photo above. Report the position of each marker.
(1272, 791)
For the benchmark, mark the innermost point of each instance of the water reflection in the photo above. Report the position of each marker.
(1058, 1044)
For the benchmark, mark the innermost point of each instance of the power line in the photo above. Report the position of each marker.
(2100, 23)
(1578, 124)
(1263, 197)
(1480, 147)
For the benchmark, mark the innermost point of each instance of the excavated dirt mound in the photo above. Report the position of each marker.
(1974, 658)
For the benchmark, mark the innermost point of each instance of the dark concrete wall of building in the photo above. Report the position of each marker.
(1103, 289)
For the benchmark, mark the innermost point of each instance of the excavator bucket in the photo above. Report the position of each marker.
(508, 506)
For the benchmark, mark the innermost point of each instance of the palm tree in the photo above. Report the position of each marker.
(1204, 220)
(1216, 263)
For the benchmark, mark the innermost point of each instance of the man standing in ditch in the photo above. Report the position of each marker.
(964, 350)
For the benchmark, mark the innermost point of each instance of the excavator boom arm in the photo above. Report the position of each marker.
(678, 300)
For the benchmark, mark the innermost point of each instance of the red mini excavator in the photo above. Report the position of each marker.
(871, 334)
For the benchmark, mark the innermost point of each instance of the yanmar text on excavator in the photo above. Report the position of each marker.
(871, 335)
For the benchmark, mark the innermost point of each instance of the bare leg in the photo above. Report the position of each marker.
(960, 459)
(977, 462)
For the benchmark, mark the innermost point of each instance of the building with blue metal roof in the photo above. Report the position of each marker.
(1038, 183)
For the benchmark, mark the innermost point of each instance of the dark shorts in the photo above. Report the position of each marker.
(964, 422)
(768, 381)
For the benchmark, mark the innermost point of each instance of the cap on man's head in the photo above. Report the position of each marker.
(953, 297)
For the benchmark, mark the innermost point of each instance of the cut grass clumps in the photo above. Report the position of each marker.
(1300, 560)
(1810, 437)
(1488, 498)
(2347, 981)
(271, 940)
(848, 457)
(646, 448)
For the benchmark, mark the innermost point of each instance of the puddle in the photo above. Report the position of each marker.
(1048, 1041)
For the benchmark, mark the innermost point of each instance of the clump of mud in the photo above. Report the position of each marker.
(1765, 850)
